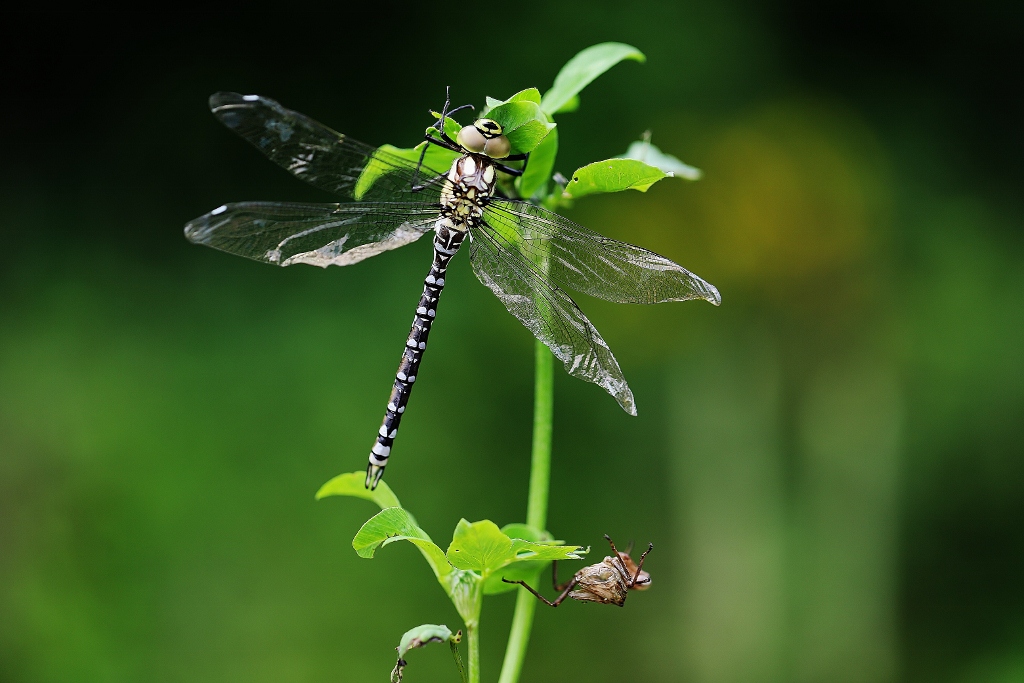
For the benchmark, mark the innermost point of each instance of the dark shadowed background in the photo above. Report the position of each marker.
(829, 465)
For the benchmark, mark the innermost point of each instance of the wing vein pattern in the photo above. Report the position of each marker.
(584, 261)
(324, 157)
(285, 233)
(548, 312)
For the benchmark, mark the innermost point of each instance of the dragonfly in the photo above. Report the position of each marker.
(525, 254)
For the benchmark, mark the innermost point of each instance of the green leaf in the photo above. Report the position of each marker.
(511, 115)
(490, 103)
(451, 126)
(579, 71)
(352, 484)
(436, 158)
(480, 547)
(395, 524)
(540, 167)
(527, 533)
(523, 123)
(528, 95)
(525, 570)
(643, 150)
(529, 569)
(570, 106)
(527, 137)
(530, 572)
(613, 175)
(528, 551)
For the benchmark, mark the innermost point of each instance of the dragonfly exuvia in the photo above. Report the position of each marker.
(525, 254)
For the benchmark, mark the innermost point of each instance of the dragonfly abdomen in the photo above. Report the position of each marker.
(470, 184)
(446, 243)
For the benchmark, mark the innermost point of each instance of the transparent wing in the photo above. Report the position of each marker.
(323, 157)
(546, 311)
(284, 233)
(587, 262)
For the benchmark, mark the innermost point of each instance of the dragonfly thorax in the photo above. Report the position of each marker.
(470, 184)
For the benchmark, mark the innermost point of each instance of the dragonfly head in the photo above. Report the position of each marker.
(485, 137)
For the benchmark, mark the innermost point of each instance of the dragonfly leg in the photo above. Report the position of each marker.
(525, 158)
(447, 143)
(460, 108)
(441, 143)
(508, 169)
(445, 114)
(413, 184)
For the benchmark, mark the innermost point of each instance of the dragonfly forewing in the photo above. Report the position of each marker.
(324, 157)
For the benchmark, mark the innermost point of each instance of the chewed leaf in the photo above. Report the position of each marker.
(352, 484)
(527, 550)
(421, 636)
(579, 71)
(435, 158)
(482, 547)
(643, 150)
(395, 524)
(528, 566)
(613, 175)
(527, 533)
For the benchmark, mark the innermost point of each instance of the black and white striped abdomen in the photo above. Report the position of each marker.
(470, 184)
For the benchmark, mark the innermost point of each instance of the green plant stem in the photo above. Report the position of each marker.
(473, 647)
(536, 506)
(458, 659)
(518, 637)
(543, 415)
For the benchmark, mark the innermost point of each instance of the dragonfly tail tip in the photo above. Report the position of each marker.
(373, 475)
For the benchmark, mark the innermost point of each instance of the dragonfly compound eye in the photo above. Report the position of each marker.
(497, 148)
(488, 128)
(472, 139)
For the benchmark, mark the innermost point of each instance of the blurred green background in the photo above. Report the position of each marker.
(829, 465)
